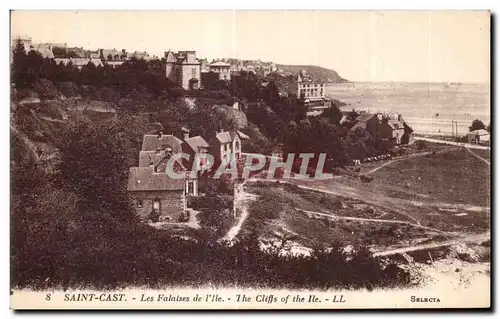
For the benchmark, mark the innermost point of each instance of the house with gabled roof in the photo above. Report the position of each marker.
(369, 122)
(157, 195)
(381, 127)
(478, 136)
(197, 149)
(309, 89)
(226, 144)
(183, 68)
(222, 69)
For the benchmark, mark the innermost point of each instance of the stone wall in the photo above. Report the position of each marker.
(172, 204)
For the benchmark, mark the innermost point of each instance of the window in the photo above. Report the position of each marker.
(190, 189)
(139, 203)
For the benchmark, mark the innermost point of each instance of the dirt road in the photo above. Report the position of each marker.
(387, 221)
(438, 141)
(397, 160)
(472, 238)
(241, 201)
(479, 157)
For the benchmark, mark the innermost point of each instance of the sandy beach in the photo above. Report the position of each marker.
(429, 108)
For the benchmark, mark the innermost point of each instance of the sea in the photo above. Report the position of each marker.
(429, 108)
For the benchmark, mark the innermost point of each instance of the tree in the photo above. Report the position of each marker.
(60, 52)
(488, 128)
(216, 216)
(333, 113)
(19, 60)
(94, 166)
(405, 139)
(352, 116)
(477, 125)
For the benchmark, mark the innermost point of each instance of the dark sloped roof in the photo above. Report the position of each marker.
(195, 142)
(239, 133)
(144, 179)
(393, 124)
(358, 125)
(153, 142)
(243, 135)
(365, 117)
(479, 132)
(145, 157)
(224, 137)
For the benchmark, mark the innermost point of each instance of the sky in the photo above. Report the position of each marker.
(381, 46)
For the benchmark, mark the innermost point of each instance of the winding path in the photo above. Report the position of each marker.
(438, 141)
(241, 200)
(479, 157)
(388, 221)
(470, 238)
(397, 160)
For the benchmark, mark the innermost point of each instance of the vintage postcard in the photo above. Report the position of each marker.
(250, 159)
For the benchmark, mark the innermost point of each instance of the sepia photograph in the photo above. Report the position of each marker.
(239, 159)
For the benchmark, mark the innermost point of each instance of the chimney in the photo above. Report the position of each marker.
(400, 117)
(221, 130)
(151, 163)
(185, 132)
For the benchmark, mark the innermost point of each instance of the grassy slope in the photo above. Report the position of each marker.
(486, 154)
(318, 230)
(453, 177)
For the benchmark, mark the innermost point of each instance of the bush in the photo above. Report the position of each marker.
(216, 216)
(45, 89)
(420, 145)
(266, 207)
(68, 89)
(108, 95)
(88, 92)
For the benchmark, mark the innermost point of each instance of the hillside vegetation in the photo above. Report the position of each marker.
(75, 133)
(317, 72)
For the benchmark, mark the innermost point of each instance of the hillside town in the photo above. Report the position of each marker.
(159, 198)
(226, 166)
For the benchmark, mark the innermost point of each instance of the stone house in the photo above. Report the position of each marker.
(156, 194)
(478, 136)
(382, 127)
(78, 62)
(309, 89)
(184, 69)
(392, 130)
(226, 144)
(197, 148)
(222, 69)
(369, 122)
(113, 57)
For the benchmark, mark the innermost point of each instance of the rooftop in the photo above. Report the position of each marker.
(220, 63)
(154, 142)
(144, 179)
(196, 142)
